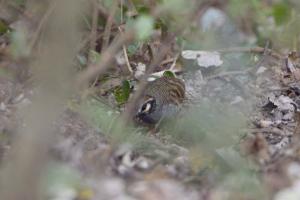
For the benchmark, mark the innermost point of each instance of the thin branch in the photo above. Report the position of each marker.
(264, 55)
(230, 73)
(132, 11)
(30, 149)
(126, 56)
(127, 60)
(93, 35)
(262, 50)
(17, 7)
(103, 12)
(109, 23)
(40, 26)
(107, 31)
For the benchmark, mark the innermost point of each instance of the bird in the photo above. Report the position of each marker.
(161, 99)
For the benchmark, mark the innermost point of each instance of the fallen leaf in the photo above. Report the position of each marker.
(122, 93)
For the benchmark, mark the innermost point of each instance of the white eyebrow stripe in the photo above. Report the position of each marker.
(148, 106)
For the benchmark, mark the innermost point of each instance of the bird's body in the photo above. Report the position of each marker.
(161, 99)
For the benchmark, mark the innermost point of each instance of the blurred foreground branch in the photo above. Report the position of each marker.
(20, 179)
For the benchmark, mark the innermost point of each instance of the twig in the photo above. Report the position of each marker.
(274, 130)
(30, 153)
(109, 22)
(276, 89)
(40, 26)
(168, 60)
(86, 40)
(230, 73)
(127, 60)
(124, 48)
(122, 11)
(17, 7)
(131, 8)
(174, 62)
(265, 51)
(103, 12)
(126, 56)
(107, 32)
(93, 34)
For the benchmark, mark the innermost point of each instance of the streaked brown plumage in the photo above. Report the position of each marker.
(160, 99)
